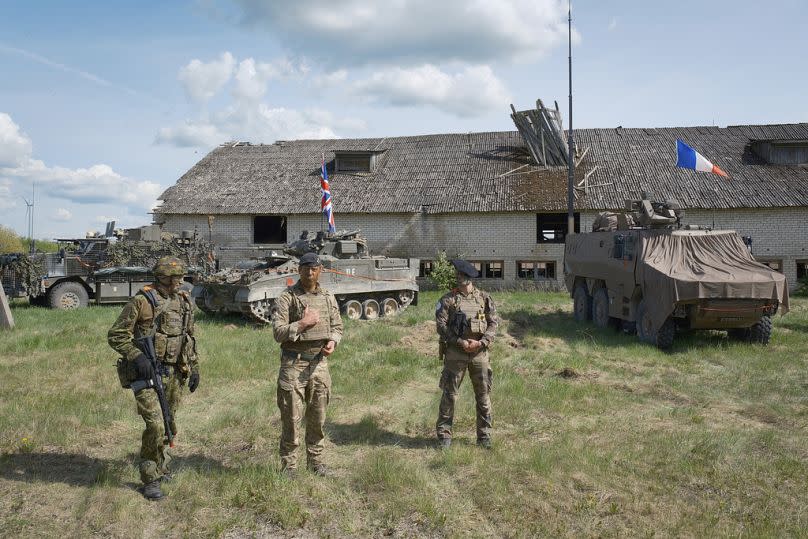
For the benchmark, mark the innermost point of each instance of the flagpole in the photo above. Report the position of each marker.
(570, 142)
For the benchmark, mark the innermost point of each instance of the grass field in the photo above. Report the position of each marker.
(594, 434)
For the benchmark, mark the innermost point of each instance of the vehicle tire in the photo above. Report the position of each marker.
(600, 308)
(67, 295)
(389, 307)
(352, 309)
(370, 309)
(643, 323)
(665, 335)
(761, 331)
(405, 297)
(581, 304)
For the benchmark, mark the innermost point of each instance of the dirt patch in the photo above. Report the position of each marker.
(422, 338)
(568, 372)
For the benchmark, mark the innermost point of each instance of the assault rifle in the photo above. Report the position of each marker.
(146, 345)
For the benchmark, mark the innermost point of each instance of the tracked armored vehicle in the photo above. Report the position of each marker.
(365, 286)
(644, 271)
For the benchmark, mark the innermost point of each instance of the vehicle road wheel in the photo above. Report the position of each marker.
(761, 331)
(600, 308)
(405, 297)
(352, 309)
(370, 309)
(389, 307)
(69, 295)
(664, 337)
(581, 304)
(261, 311)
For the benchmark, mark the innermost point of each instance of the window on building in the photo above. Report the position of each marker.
(776, 265)
(269, 229)
(354, 161)
(425, 268)
(489, 269)
(535, 270)
(802, 269)
(552, 227)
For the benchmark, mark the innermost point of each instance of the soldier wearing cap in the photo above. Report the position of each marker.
(466, 320)
(307, 323)
(166, 312)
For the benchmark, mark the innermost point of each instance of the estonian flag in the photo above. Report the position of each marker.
(687, 157)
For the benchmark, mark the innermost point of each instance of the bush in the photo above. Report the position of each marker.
(443, 273)
(10, 242)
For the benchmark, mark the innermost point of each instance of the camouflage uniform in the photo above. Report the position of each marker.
(175, 314)
(303, 378)
(481, 325)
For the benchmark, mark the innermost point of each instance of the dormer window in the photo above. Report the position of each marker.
(782, 152)
(356, 161)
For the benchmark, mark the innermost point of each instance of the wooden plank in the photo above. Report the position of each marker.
(6, 320)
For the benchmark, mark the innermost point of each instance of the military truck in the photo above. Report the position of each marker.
(99, 269)
(365, 286)
(642, 270)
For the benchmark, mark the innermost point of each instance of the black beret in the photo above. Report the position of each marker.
(310, 259)
(466, 268)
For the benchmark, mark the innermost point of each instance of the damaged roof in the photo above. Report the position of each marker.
(492, 172)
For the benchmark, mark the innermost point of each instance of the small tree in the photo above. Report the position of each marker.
(443, 273)
(10, 242)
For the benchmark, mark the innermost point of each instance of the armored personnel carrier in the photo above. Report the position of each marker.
(643, 270)
(365, 286)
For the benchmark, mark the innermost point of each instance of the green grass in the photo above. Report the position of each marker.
(595, 434)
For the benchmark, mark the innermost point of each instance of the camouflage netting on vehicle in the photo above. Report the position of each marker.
(197, 254)
(28, 269)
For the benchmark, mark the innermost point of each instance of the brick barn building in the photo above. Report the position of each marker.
(481, 196)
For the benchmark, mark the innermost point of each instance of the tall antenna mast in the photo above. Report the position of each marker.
(570, 143)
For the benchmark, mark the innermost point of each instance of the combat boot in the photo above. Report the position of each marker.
(320, 470)
(152, 491)
(485, 443)
(444, 443)
(289, 473)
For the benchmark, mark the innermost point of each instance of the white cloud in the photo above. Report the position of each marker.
(191, 134)
(62, 214)
(411, 32)
(95, 184)
(612, 24)
(15, 147)
(465, 93)
(104, 219)
(6, 200)
(203, 80)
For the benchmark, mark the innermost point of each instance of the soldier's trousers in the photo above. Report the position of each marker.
(455, 365)
(154, 456)
(304, 389)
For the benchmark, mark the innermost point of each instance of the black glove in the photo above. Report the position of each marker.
(193, 381)
(144, 368)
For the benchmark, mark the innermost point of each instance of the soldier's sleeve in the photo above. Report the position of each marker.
(282, 329)
(445, 331)
(493, 322)
(191, 330)
(336, 320)
(122, 333)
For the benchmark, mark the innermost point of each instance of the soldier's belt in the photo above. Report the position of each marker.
(299, 355)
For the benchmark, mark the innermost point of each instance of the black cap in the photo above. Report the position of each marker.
(466, 268)
(310, 259)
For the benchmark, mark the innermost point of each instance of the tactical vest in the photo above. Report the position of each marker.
(473, 306)
(320, 302)
(170, 317)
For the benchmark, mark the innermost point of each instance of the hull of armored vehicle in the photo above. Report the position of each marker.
(660, 281)
(365, 286)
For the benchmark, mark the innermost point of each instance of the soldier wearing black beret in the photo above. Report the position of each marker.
(466, 320)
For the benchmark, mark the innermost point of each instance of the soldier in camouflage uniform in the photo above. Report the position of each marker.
(166, 312)
(466, 320)
(307, 323)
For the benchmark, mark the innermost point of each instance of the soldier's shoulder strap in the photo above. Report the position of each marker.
(157, 307)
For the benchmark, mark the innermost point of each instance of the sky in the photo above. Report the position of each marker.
(103, 105)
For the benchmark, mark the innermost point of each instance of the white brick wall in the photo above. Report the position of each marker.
(510, 237)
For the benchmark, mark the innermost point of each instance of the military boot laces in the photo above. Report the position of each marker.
(152, 491)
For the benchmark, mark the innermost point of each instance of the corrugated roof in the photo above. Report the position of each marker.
(491, 172)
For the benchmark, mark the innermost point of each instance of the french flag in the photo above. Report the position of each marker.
(687, 157)
(325, 202)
